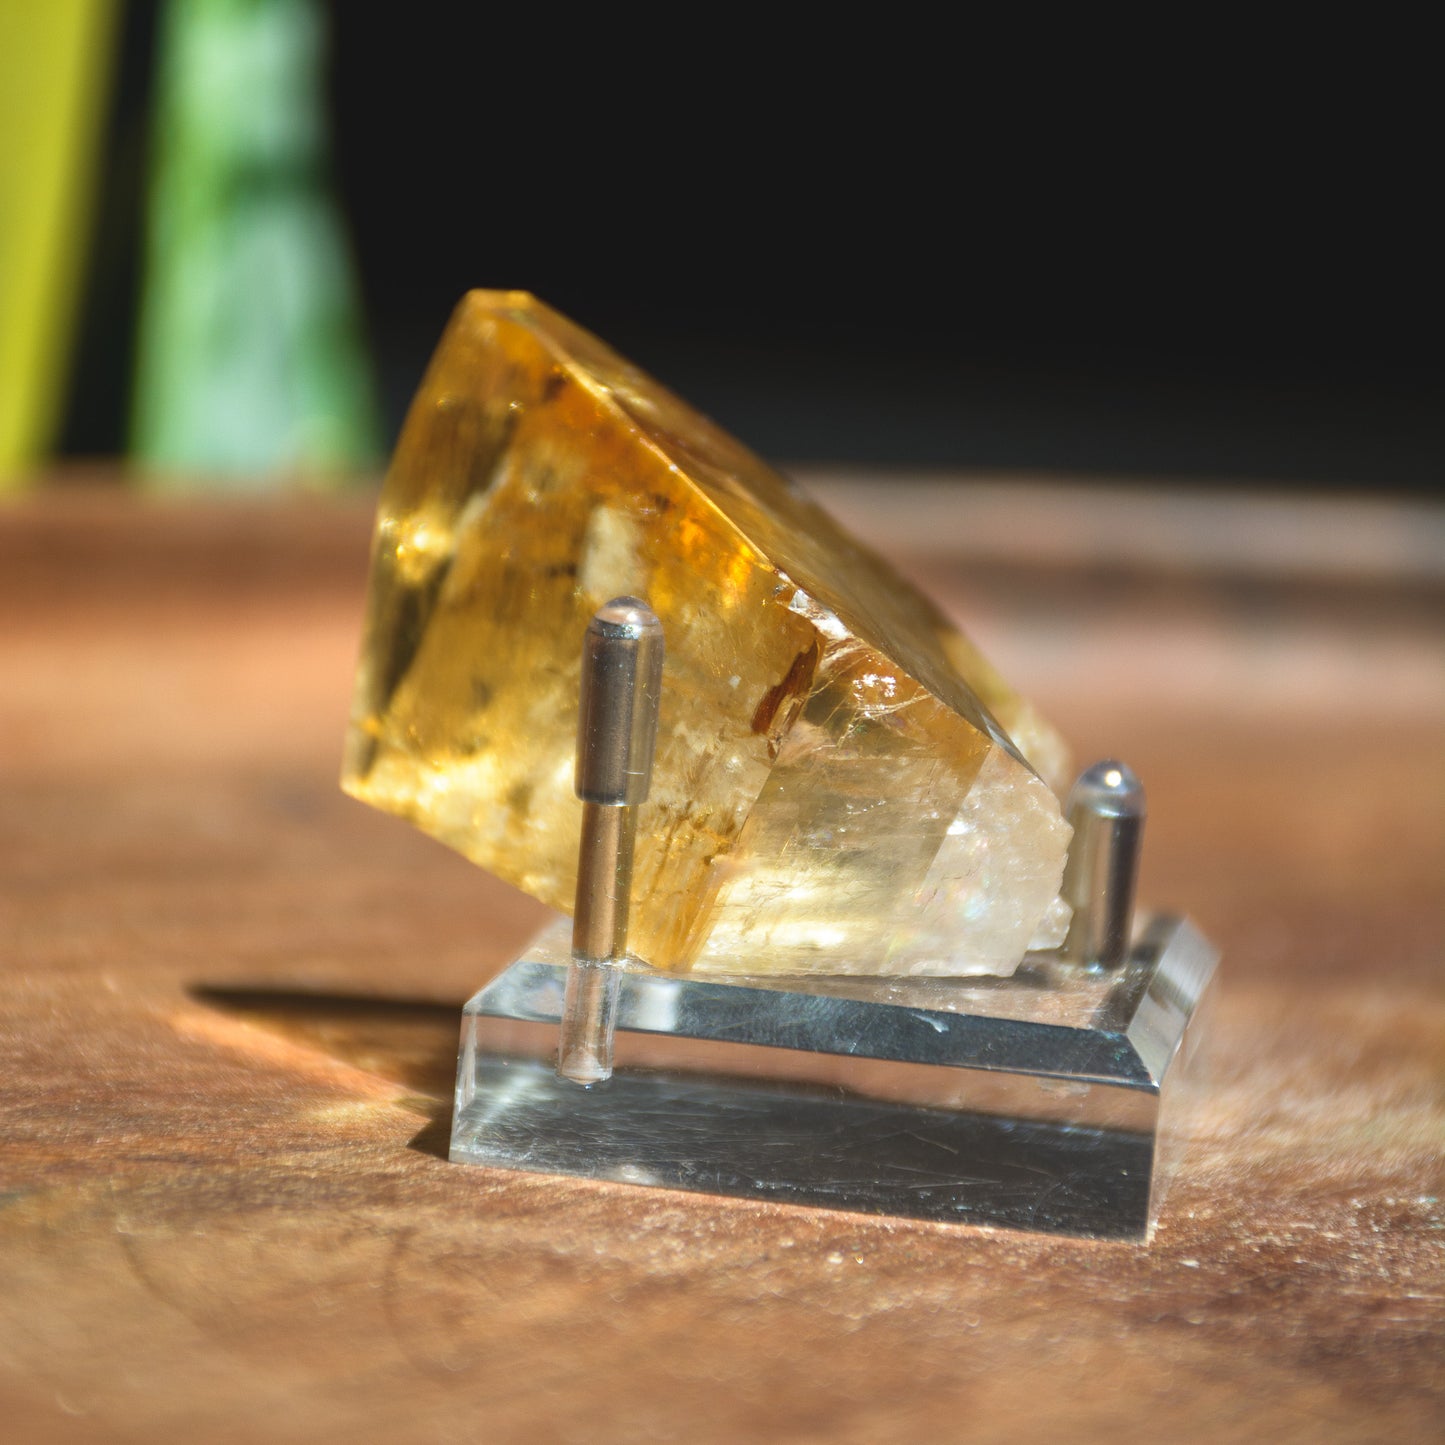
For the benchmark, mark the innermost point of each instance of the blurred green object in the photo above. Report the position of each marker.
(54, 68)
(251, 370)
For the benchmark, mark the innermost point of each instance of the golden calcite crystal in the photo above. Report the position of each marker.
(841, 782)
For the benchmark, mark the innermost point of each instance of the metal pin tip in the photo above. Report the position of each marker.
(583, 1068)
(1108, 789)
(626, 617)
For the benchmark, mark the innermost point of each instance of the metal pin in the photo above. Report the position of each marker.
(616, 736)
(1106, 811)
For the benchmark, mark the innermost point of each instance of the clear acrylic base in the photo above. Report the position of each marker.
(1054, 1100)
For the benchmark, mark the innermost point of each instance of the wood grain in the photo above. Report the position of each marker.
(229, 1016)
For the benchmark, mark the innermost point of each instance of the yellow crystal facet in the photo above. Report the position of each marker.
(840, 785)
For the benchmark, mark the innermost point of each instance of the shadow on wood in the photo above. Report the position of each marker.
(412, 1042)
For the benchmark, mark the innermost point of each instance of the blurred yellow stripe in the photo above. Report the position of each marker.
(55, 66)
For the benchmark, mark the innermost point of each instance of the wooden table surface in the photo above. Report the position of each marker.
(230, 996)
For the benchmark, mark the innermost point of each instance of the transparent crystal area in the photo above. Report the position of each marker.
(841, 782)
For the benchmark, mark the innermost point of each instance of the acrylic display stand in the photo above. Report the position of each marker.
(1053, 1100)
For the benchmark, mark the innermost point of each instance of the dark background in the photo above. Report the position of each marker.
(886, 245)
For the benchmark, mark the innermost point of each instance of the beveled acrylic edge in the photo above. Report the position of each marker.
(1130, 1043)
